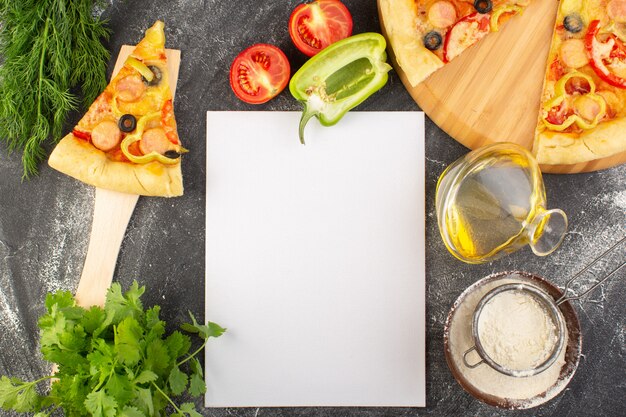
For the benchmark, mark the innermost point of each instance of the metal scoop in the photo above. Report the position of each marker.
(551, 308)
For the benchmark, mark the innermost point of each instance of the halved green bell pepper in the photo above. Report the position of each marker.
(340, 77)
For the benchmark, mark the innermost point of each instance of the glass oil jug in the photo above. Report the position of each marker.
(492, 202)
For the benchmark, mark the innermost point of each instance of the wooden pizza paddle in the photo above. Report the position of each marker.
(112, 211)
(491, 92)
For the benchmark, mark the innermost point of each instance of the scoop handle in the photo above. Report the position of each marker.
(111, 213)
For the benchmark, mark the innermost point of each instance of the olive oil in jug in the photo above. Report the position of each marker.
(492, 202)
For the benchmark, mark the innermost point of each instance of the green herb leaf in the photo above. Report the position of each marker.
(127, 336)
(145, 377)
(48, 49)
(157, 358)
(131, 412)
(178, 344)
(144, 401)
(118, 306)
(210, 330)
(99, 404)
(190, 409)
(18, 395)
(197, 386)
(177, 381)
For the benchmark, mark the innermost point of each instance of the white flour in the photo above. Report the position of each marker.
(531, 391)
(516, 331)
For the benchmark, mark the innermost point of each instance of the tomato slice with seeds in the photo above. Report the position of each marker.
(313, 26)
(259, 73)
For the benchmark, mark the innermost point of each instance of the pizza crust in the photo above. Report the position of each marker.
(79, 159)
(556, 148)
(400, 22)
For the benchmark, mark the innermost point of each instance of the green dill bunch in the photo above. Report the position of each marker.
(48, 48)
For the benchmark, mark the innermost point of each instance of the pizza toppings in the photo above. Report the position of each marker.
(573, 53)
(130, 88)
(442, 14)
(575, 103)
(157, 76)
(573, 23)
(433, 40)
(606, 58)
(154, 140)
(127, 123)
(501, 13)
(465, 33)
(106, 135)
(142, 68)
(483, 6)
(616, 9)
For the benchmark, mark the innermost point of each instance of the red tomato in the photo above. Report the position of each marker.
(259, 73)
(313, 26)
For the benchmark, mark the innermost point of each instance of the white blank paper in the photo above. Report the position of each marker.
(315, 260)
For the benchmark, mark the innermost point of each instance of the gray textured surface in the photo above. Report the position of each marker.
(45, 223)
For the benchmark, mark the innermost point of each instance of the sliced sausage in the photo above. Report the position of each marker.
(573, 53)
(616, 9)
(154, 140)
(106, 135)
(442, 14)
(130, 88)
(587, 108)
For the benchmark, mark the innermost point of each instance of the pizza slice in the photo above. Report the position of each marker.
(427, 34)
(127, 141)
(583, 104)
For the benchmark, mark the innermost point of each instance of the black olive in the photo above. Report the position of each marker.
(172, 154)
(127, 123)
(483, 6)
(433, 40)
(158, 75)
(573, 23)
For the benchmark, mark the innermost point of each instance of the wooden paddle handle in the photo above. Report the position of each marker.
(111, 213)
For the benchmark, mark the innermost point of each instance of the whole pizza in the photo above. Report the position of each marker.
(582, 113)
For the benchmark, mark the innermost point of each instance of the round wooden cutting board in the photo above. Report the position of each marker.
(491, 92)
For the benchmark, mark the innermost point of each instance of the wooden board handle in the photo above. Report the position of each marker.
(112, 211)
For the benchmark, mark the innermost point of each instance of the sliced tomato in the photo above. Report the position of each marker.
(465, 33)
(558, 114)
(81, 135)
(259, 73)
(602, 55)
(313, 26)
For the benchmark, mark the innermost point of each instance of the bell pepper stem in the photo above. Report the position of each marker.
(307, 114)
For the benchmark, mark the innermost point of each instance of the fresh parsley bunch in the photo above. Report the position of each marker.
(112, 361)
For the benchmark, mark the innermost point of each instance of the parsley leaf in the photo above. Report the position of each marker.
(99, 404)
(127, 336)
(178, 344)
(131, 412)
(18, 395)
(205, 331)
(145, 377)
(114, 361)
(177, 381)
(190, 409)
